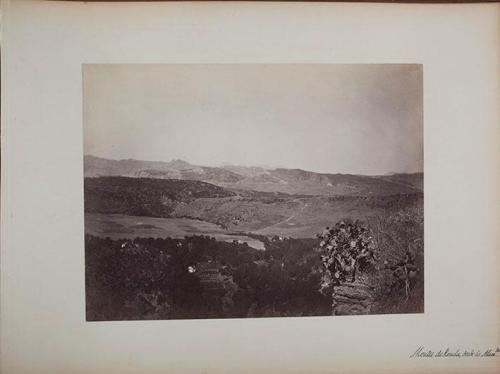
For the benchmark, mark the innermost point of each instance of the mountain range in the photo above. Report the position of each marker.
(279, 180)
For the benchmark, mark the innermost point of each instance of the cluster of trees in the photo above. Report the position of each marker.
(150, 278)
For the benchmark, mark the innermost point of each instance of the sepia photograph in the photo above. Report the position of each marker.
(252, 190)
(249, 187)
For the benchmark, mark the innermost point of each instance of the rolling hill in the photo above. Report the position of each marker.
(266, 213)
(145, 196)
(289, 181)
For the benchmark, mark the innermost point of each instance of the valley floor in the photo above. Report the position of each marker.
(120, 226)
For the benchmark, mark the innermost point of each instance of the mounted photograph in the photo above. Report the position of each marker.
(252, 190)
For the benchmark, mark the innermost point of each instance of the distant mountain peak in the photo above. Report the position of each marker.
(178, 163)
(291, 181)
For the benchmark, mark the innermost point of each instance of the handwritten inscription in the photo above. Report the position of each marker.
(423, 352)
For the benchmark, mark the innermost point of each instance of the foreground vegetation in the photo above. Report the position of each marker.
(199, 277)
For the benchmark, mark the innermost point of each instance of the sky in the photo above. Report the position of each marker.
(331, 118)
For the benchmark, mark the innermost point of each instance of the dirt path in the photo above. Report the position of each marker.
(301, 209)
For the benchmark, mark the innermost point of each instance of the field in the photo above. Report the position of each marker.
(119, 226)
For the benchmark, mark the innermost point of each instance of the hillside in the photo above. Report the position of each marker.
(292, 215)
(289, 181)
(415, 180)
(235, 210)
(145, 196)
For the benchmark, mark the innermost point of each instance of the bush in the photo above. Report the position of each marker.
(344, 249)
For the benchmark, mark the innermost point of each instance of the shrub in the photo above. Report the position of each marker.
(400, 279)
(344, 249)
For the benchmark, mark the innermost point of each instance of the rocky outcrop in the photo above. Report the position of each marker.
(353, 298)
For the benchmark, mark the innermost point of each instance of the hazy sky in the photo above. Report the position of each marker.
(362, 119)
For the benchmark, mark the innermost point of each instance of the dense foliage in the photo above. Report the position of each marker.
(199, 277)
(345, 248)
